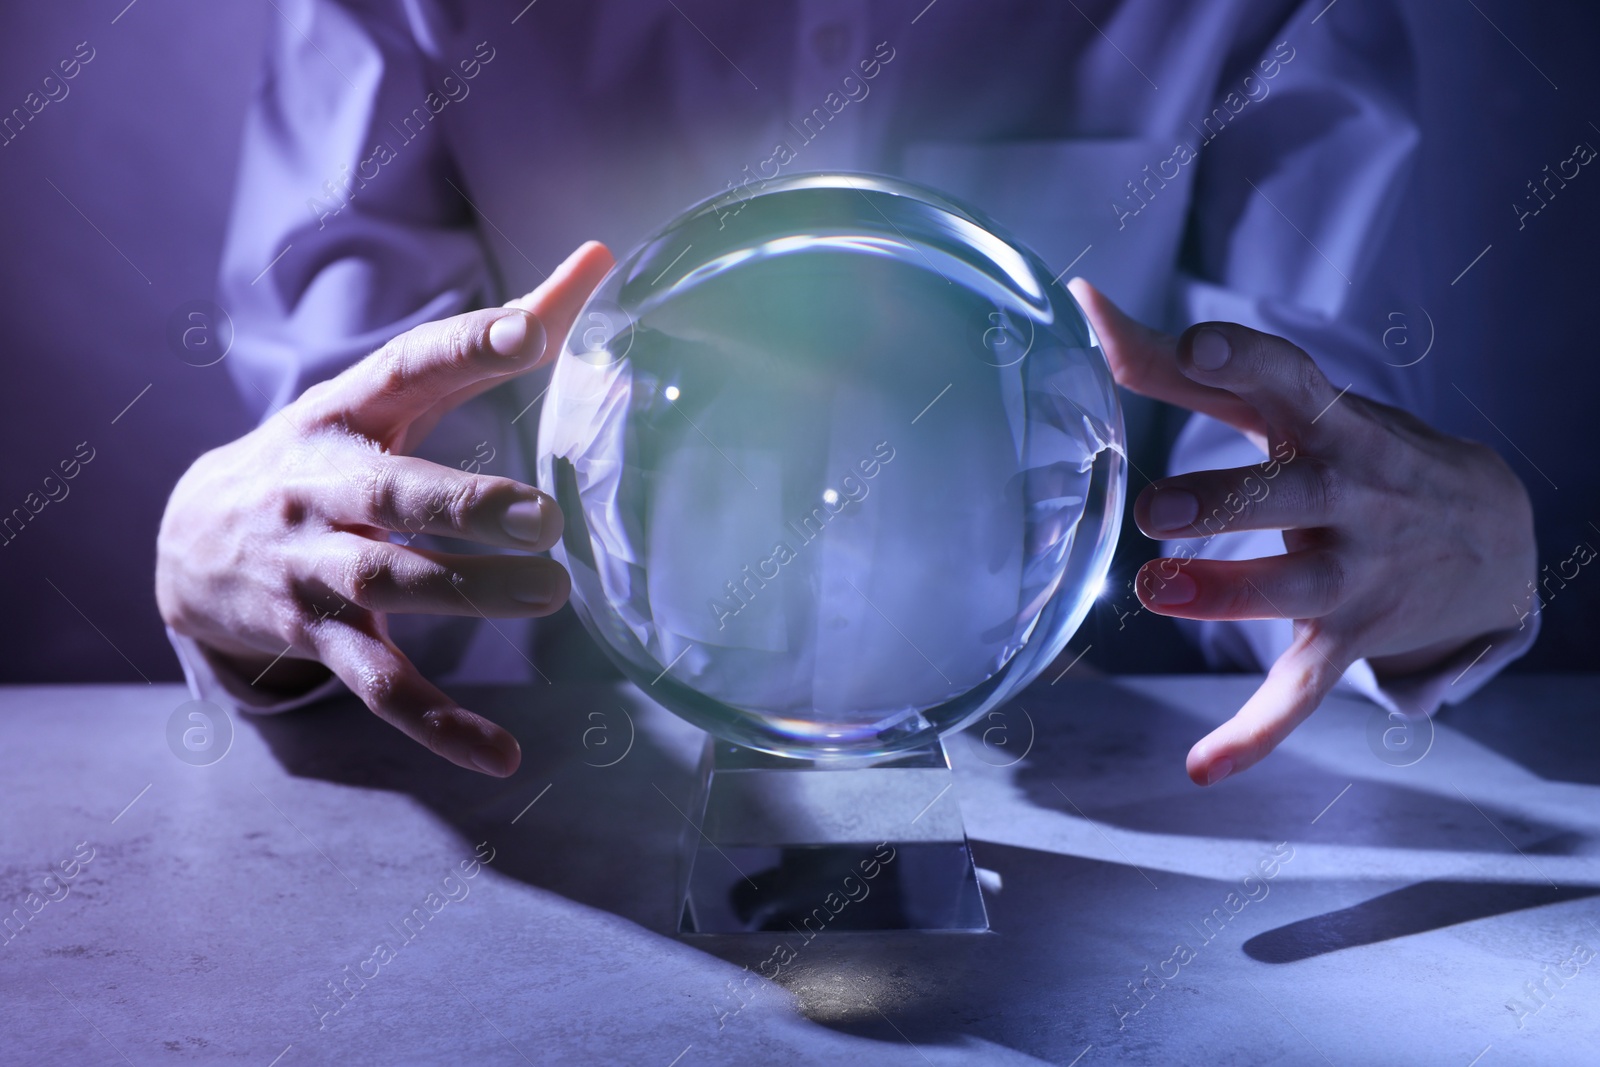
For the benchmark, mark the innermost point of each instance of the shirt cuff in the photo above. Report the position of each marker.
(1457, 678)
(213, 681)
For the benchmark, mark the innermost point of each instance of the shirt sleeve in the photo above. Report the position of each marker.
(1302, 168)
(345, 229)
(218, 683)
(349, 226)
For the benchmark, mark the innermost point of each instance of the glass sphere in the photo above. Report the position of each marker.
(841, 467)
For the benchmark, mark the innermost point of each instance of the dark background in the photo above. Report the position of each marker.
(113, 203)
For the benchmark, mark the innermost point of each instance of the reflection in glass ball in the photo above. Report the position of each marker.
(841, 468)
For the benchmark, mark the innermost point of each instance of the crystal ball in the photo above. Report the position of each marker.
(841, 466)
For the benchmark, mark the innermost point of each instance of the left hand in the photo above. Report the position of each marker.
(1403, 544)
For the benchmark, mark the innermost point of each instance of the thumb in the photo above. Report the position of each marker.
(1292, 690)
(1145, 360)
(559, 298)
(555, 303)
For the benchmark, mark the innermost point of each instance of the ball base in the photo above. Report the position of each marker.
(807, 847)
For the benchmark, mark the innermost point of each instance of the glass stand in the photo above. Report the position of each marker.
(804, 846)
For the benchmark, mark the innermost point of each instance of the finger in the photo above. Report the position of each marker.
(380, 576)
(1300, 585)
(1293, 689)
(1281, 495)
(1145, 361)
(388, 683)
(380, 396)
(412, 496)
(556, 303)
(558, 299)
(1272, 375)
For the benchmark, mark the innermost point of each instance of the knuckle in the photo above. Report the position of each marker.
(1323, 656)
(1304, 379)
(1241, 600)
(1324, 487)
(433, 726)
(382, 494)
(366, 575)
(306, 618)
(377, 685)
(461, 502)
(287, 508)
(320, 398)
(371, 673)
(450, 345)
(1387, 460)
(1329, 581)
(401, 368)
(391, 369)
(297, 617)
(460, 343)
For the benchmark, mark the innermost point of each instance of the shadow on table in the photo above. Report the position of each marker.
(1534, 721)
(1116, 756)
(592, 814)
(597, 812)
(1414, 909)
(1007, 987)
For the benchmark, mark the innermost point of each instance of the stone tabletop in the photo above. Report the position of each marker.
(325, 891)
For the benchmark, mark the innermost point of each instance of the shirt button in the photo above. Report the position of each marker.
(828, 42)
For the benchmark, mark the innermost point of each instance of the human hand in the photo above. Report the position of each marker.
(275, 546)
(1402, 543)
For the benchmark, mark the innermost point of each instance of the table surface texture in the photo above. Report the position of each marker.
(328, 891)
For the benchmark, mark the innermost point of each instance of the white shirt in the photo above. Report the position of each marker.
(406, 160)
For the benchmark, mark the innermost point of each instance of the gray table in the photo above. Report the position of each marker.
(223, 902)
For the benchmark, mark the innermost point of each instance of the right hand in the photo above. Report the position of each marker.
(274, 549)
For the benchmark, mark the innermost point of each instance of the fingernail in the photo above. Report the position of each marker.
(1209, 350)
(1178, 589)
(1173, 509)
(490, 760)
(511, 334)
(524, 520)
(1219, 770)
